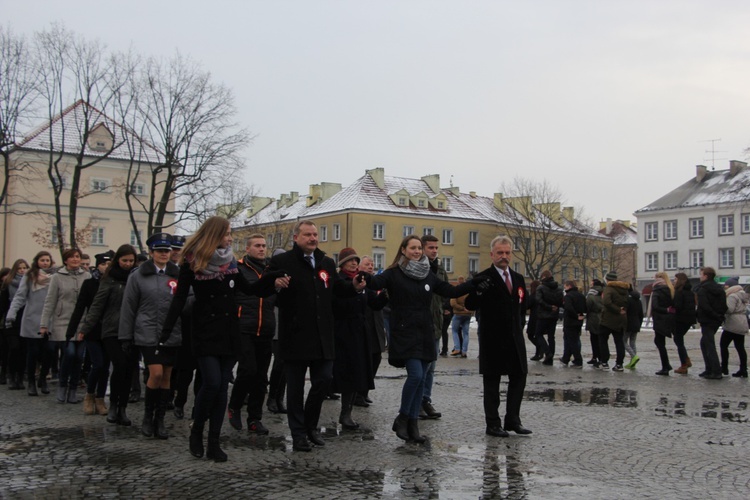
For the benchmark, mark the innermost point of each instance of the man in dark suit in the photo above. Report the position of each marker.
(502, 350)
(306, 329)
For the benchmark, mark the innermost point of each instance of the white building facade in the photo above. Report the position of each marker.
(704, 222)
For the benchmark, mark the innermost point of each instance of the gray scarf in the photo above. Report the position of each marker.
(415, 269)
(219, 261)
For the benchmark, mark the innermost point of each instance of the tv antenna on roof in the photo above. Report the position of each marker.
(713, 152)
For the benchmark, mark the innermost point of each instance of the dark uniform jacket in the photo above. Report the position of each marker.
(306, 306)
(502, 316)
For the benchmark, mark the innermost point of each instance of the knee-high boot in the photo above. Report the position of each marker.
(345, 417)
(160, 429)
(147, 426)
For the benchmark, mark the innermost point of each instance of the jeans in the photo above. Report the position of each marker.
(70, 368)
(629, 342)
(708, 348)
(99, 373)
(460, 325)
(572, 345)
(604, 333)
(679, 340)
(430, 377)
(211, 401)
(739, 344)
(411, 394)
(546, 326)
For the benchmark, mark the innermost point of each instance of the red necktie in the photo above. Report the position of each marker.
(507, 282)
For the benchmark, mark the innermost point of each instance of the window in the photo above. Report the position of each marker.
(378, 259)
(323, 233)
(539, 246)
(605, 253)
(473, 238)
(408, 230)
(53, 234)
(696, 259)
(447, 264)
(594, 252)
(576, 273)
(428, 231)
(447, 236)
(279, 240)
(604, 271)
(726, 258)
(517, 267)
(696, 227)
(63, 181)
(402, 201)
(97, 236)
(726, 225)
(670, 229)
(564, 274)
(420, 203)
(745, 256)
(516, 244)
(745, 218)
(526, 270)
(473, 264)
(335, 258)
(269, 240)
(378, 231)
(670, 261)
(652, 231)
(337, 232)
(575, 250)
(552, 247)
(134, 237)
(138, 189)
(595, 274)
(440, 205)
(652, 261)
(100, 185)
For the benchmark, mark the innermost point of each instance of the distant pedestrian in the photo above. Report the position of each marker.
(684, 303)
(661, 308)
(574, 306)
(735, 327)
(593, 319)
(712, 305)
(635, 320)
(549, 302)
(613, 320)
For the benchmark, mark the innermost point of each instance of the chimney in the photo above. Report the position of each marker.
(455, 190)
(473, 194)
(498, 201)
(700, 172)
(378, 175)
(433, 181)
(735, 167)
(569, 213)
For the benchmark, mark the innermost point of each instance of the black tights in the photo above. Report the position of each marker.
(739, 344)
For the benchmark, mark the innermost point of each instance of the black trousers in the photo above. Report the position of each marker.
(516, 386)
(252, 376)
(123, 365)
(303, 414)
(604, 333)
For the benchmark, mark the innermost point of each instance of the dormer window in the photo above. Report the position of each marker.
(441, 205)
(402, 201)
(420, 203)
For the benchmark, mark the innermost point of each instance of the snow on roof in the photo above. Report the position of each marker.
(66, 130)
(365, 195)
(717, 187)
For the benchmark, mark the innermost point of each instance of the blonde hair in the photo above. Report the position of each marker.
(667, 281)
(201, 246)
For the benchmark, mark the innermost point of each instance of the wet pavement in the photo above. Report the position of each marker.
(597, 434)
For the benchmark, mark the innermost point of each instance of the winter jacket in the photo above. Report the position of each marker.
(31, 301)
(594, 308)
(711, 303)
(6, 298)
(548, 295)
(107, 304)
(614, 299)
(412, 322)
(85, 299)
(257, 316)
(661, 304)
(634, 312)
(145, 304)
(574, 304)
(437, 301)
(684, 302)
(61, 299)
(736, 319)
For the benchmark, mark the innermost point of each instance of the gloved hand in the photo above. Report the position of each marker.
(362, 276)
(127, 347)
(481, 283)
(164, 337)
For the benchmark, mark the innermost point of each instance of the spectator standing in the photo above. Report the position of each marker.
(712, 305)
(635, 320)
(613, 320)
(735, 327)
(574, 305)
(684, 302)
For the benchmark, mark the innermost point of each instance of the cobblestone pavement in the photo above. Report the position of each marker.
(596, 434)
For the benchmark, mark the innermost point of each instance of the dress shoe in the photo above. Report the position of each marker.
(368, 400)
(592, 361)
(725, 371)
(179, 412)
(703, 374)
(548, 360)
(333, 396)
(301, 444)
(359, 400)
(714, 376)
(536, 357)
(497, 431)
(663, 372)
(740, 374)
(315, 438)
(517, 428)
(256, 427)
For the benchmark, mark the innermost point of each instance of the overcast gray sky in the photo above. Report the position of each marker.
(610, 100)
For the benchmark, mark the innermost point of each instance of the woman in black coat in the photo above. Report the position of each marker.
(352, 366)
(684, 303)
(549, 301)
(410, 286)
(663, 312)
(210, 268)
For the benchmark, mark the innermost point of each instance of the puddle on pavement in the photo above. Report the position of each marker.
(728, 411)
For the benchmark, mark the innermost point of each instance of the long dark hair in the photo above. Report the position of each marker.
(121, 252)
(34, 273)
(13, 271)
(404, 244)
(680, 280)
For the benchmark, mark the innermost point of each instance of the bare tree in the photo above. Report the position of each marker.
(17, 97)
(189, 119)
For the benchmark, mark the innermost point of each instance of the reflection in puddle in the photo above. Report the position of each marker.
(727, 411)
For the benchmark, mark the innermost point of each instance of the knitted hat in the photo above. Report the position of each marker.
(596, 282)
(346, 255)
(611, 276)
(732, 282)
(102, 258)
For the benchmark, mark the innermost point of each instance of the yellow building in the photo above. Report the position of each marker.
(102, 218)
(377, 211)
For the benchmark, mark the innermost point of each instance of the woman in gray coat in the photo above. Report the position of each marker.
(58, 308)
(30, 297)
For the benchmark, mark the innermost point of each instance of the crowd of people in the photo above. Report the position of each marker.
(191, 313)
